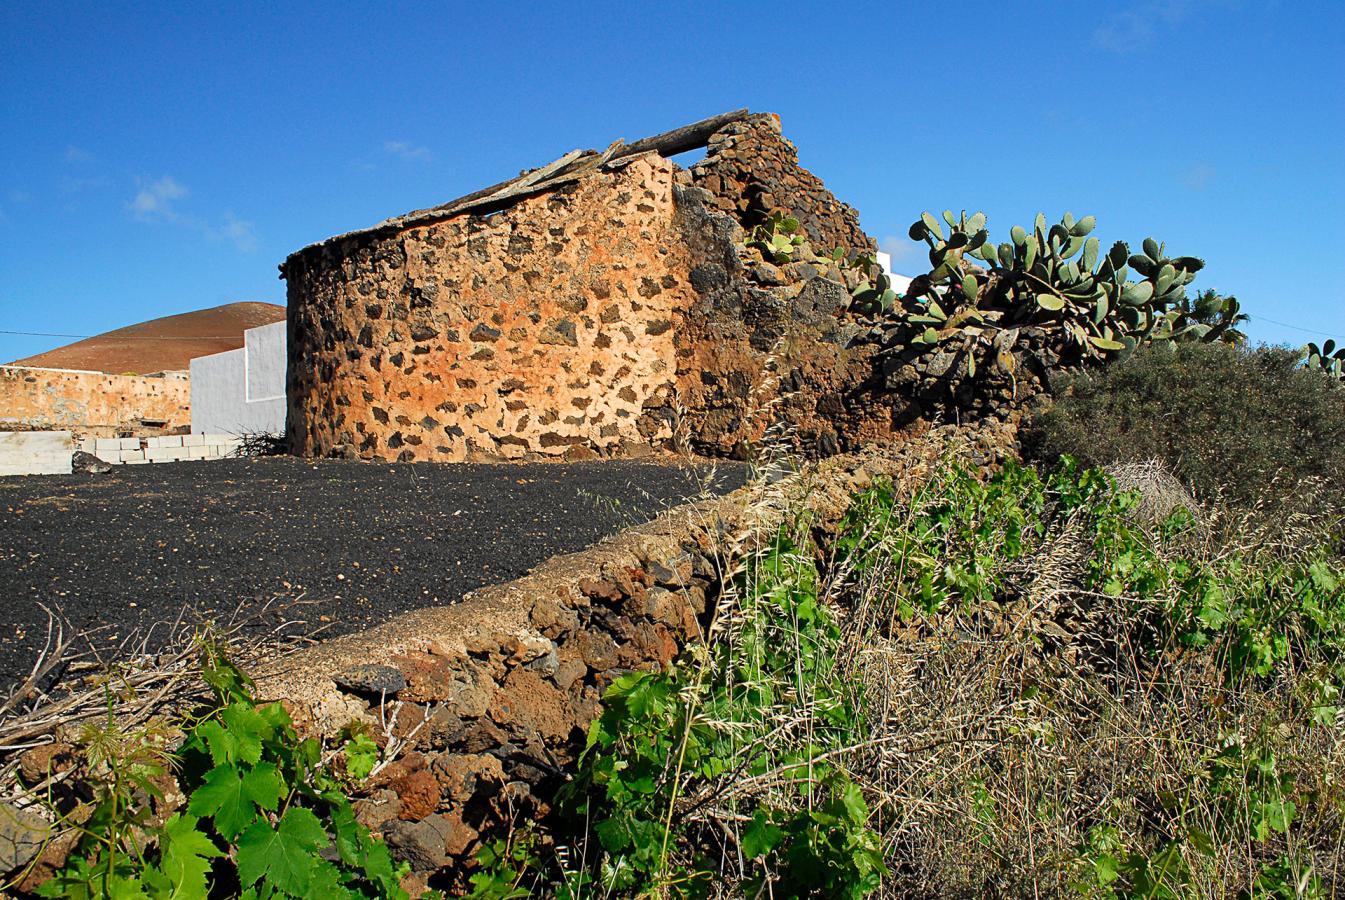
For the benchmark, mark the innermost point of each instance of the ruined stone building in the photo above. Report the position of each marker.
(602, 305)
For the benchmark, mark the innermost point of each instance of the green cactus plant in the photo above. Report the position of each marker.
(1057, 277)
(778, 238)
(1208, 317)
(1326, 358)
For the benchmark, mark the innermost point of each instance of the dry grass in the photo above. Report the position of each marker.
(1005, 746)
(152, 673)
(1000, 737)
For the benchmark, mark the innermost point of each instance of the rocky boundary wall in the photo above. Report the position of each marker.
(487, 702)
(93, 404)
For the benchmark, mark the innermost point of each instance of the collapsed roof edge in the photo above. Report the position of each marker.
(567, 168)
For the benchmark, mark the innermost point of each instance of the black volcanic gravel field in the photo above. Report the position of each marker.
(338, 545)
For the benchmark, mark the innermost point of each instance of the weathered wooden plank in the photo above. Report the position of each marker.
(688, 137)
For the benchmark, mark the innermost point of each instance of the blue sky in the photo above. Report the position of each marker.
(164, 157)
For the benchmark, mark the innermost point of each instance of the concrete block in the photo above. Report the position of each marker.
(106, 444)
(136, 462)
(132, 456)
(169, 440)
(193, 440)
(161, 454)
(130, 443)
(35, 452)
(197, 452)
(88, 445)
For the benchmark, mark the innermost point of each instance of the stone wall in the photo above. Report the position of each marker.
(752, 170)
(543, 330)
(93, 404)
(491, 698)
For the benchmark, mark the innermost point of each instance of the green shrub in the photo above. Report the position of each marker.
(723, 775)
(676, 752)
(264, 816)
(1244, 425)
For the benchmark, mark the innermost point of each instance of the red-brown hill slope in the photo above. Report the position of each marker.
(161, 344)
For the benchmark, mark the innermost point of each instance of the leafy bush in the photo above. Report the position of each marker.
(263, 815)
(1246, 425)
(675, 753)
(721, 776)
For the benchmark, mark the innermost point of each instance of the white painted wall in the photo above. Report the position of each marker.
(35, 452)
(899, 282)
(241, 391)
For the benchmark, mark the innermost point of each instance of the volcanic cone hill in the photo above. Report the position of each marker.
(165, 344)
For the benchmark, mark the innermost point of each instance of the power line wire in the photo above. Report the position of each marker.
(1312, 331)
(234, 337)
(131, 337)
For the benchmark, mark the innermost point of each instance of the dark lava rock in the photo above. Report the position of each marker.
(87, 462)
(371, 679)
(422, 844)
(22, 834)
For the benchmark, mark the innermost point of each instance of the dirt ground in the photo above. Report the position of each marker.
(331, 546)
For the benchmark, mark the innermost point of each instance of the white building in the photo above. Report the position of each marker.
(242, 391)
(899, 282)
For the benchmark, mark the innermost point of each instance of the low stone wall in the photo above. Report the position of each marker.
(491, 698)
(35, 453)
(167, 448)
(93, 404)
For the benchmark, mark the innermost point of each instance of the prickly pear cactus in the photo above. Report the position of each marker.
(1326, 358)
(1047, 298)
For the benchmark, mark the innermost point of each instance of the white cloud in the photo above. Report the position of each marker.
(407, 152)
(1136, 27)
(1198, 177)
(241, 233)
(154, 201)
(902, 249)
